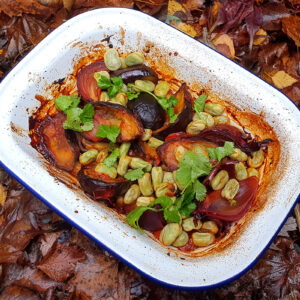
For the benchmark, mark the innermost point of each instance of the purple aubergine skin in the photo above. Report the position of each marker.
(183, 119)
(150, 112)
(219, 134)
(68, 135)
(133, 73)
(152, 220)
(101, 190)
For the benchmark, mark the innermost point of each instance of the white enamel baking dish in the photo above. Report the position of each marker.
(54, 58)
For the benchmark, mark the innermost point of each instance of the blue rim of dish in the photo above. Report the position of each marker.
(166, 284)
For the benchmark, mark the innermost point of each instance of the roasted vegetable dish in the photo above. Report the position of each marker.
(173, 164)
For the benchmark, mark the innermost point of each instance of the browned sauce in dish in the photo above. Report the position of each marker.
(184, 168)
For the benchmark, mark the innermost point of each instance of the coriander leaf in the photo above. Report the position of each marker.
(112, 158)
(164, 201)
(112, 85)
(80, 119)
(112, 91)
(104, 83)
(166, 103)
(199, 104)
(117, 81)
(134, 216)
(183, 175)
(64, 103)
(109, 132)
(132, 95)
(221, 152)
(192, 166)
(172, 115)
(87, 126)
(173, 118)
(73, 119)
(172, 18)
(186, 210)
(173, 101)
(133, 175)
(171, 213)
(87, 113)
(200, 190)
(185, 202)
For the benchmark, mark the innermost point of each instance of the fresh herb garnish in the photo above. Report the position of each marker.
(80, 119)
(171, 213)
(65, 103)
(200, 190)
(109, 132)
(192, 166)
(199, 104)
(132, 95)
(112, 158)
(77, 119)
(113, 85)
(133, 175)
(221, 152)
(167, 104)
(134, 216)
(185, 203)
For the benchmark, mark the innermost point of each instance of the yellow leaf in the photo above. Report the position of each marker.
(226, 40)
(186, 28)
(1, 51)
(174, 6)
(68, 4)
(282, 80)
(3, 194)
(260, 36)
(215, 9)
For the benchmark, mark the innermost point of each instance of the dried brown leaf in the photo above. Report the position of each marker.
(150, 7)
(22, 33)
(15, 8)
(224, 39)
(27, 276)
(293, 92)
(47, 240)
(61, 261)
(271, 52)
(18, 293)
(253, 22)
(15, 237)
(291, 27)
(58, 3)
(290, 225)
(232, 13)
(96, 280)
(272, 13)
(193, 4)
(79, 4)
